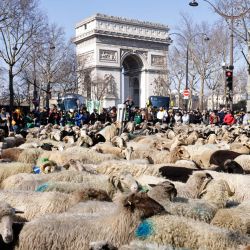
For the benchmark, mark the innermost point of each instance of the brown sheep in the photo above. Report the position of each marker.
(11, 153)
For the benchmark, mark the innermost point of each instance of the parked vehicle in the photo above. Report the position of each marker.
(159, 101)
(71, 101)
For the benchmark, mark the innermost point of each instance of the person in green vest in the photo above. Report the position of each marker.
(137, 116)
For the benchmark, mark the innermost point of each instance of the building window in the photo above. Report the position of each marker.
(85, 26)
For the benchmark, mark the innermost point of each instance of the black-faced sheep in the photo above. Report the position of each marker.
(118, 228)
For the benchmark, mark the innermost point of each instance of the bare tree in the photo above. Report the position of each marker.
(177, 72)
(22, 24)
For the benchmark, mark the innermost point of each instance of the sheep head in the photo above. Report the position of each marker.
(233, 167)
(162, 191)
(199, 181)
(6, 215)
(144, 204)
(124, 182)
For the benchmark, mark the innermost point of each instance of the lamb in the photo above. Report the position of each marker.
(124, 182)
(187, 233)
(35, 204)
(235, 218)
(117, 229)
(8, 169)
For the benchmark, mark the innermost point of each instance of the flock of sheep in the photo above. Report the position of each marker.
(148, 188)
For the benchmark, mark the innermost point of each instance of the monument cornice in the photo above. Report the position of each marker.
(96, 32)
(123, 20)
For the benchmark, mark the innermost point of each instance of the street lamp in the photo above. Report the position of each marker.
(188, 41)
(231, 17)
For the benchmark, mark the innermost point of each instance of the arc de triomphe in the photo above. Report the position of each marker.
(123, 58)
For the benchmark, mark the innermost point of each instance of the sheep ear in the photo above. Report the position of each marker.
(152, 185)
(18, 211)
(114, 181)
(209, 176)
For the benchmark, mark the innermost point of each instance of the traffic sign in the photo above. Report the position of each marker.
(186, 93)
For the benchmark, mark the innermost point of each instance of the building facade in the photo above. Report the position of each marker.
(120, 58)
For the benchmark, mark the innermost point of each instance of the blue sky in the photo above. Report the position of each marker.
(66, 13)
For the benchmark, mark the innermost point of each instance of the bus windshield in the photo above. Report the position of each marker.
(70, 103)
(159, 101)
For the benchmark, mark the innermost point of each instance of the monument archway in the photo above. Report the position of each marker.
(132, 67)
(132, 54)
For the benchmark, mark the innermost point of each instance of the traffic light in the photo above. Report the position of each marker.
(229, 80)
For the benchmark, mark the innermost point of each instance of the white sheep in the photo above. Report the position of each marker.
(187, 233)
(216, 197)
(237, 182)
(192, 187)
(85, 155)
(123, 182)
(113, 167)
(35, 204)
(96, 208)
(236, 218)
(8, 169)
(117, 229)
(244, 161)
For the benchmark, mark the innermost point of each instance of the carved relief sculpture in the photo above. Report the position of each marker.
(108, 55)
(157, 60)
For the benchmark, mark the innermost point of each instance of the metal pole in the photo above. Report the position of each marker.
(231, 67)
(186, 87)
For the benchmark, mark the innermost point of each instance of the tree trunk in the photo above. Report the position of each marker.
(179, 94)
(11, 90)
(47, 95)
(213, 100)
(201, 93)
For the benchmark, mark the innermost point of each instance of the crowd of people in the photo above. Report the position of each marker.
(82, 116)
